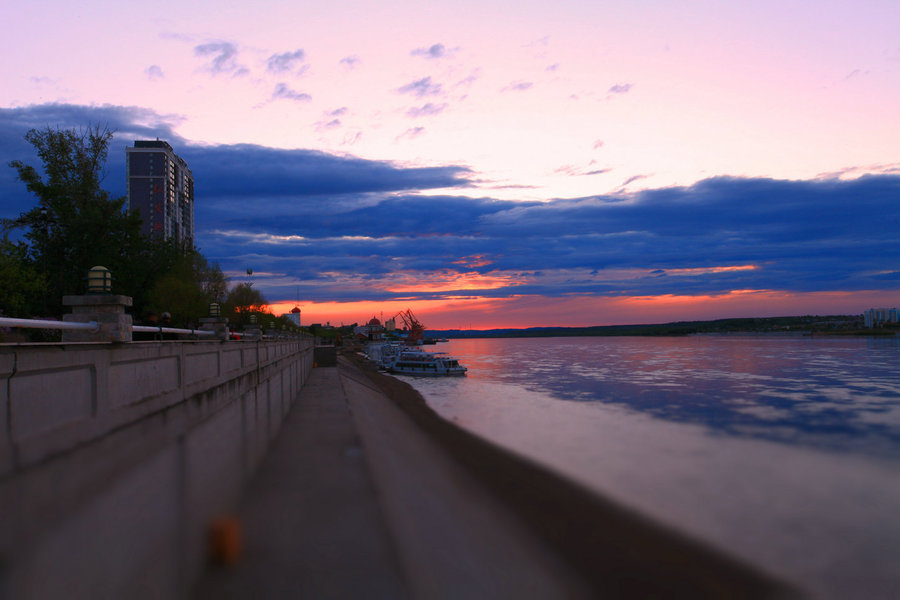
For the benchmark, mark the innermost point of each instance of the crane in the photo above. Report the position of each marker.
(414, 326)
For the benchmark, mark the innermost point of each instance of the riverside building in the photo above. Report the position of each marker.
(879, 316)
(161, 188)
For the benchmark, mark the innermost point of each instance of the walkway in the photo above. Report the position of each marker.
(354, 501)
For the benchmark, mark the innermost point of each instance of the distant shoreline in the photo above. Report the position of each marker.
(842, 325)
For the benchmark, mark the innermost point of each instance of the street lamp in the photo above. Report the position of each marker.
(99, 280)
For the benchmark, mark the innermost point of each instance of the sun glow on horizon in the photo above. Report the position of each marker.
(524, 311)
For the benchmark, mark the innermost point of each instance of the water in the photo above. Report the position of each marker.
(785, 451)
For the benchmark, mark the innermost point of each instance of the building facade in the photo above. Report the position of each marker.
(293, 316)
(879, 316)
(161, 189)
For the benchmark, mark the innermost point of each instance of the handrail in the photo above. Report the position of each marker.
(47, 324)
(152, 329)
(94, 326)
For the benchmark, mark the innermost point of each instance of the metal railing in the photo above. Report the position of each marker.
(92, 326)
(47, 324)
(152, 329)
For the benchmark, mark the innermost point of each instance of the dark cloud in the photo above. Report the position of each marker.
(345, 228)
(716, 236)
(421, 87)
(283, 92)
(286, 61)
(620, 88)
(222, 172)
(222, 58)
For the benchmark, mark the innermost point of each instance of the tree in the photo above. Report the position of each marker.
(241, 302)
(22, 288)
(187, 288)
(76, 225)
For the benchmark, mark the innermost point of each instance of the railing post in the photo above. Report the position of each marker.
(108, 310)
(217, 324)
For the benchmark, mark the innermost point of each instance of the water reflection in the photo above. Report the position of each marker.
(840, 393)
(682, 429)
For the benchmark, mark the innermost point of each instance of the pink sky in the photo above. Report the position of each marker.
(540, 100)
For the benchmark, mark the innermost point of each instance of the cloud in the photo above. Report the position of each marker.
(154, 72)
(579, 172)
(347, 228)
(283, 92)
(427, 110)
(620, 88)
(411, 133)
(222, 58)
(325, 125)
(432, 52)
(599, 144)
(519, 86)
(631, 180)
(351, 62)
(286, 61)
(421, 87)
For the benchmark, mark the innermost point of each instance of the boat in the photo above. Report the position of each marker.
(415, 361)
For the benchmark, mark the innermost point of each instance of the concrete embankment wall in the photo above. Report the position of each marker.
(114, 458)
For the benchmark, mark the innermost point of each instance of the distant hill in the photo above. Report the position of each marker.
(832, 324)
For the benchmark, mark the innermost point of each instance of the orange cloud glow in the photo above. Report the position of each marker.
(575, 311)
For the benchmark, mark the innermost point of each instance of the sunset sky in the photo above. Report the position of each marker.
(499, 164)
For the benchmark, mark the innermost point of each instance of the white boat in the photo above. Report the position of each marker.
(415, 361)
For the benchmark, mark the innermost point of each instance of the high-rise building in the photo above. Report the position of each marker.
(161, 188)
(879, 316)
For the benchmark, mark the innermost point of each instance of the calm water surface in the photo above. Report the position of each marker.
(783, 450)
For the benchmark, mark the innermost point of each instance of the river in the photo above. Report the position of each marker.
(782, 450)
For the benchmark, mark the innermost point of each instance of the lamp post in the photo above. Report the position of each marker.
(101, 306)
(215, 322)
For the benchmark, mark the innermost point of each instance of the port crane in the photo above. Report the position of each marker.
(415, 327)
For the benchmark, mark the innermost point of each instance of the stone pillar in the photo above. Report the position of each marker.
(108, 310)
(217, 324)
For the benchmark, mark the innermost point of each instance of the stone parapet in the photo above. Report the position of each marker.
(107, 310)
(120, 455)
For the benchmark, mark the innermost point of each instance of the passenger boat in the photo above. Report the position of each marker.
(414, 361)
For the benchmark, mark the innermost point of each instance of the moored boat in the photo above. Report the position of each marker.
(415, 361)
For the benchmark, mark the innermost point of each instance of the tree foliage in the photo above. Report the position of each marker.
(243, 301)
(187, 288)
(20, 284)
(75, 224)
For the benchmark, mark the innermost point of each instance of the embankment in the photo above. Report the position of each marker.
(618, 552)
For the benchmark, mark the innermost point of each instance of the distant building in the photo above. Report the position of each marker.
(294, 316)
(373, 330)
(161, 188)
(879, 316)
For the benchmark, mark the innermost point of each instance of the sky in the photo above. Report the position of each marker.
(502, 164)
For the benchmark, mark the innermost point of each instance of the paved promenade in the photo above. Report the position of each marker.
(355, 501)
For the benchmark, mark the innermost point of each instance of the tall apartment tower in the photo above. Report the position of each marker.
(161, 188)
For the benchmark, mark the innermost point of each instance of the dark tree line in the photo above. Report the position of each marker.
(76, 225)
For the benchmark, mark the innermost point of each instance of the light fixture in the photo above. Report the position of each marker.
(99, 280)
